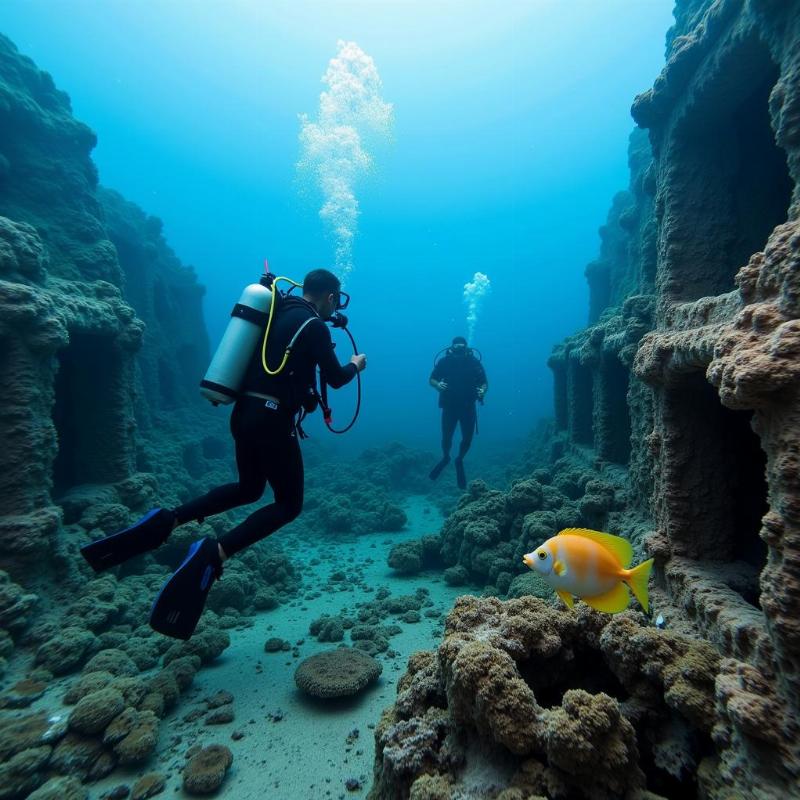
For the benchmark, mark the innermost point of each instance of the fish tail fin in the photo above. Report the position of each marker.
(638, 579)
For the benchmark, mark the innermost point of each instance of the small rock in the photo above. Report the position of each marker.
(237, 735)
(274, 645)
(221, 698)
(117, 793)
(352, 784)
(22, 694)
(221, 716)
(149, 785)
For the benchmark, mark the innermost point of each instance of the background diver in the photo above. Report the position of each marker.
(265, 427)
(460, 379)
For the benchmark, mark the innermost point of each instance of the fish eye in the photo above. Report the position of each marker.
(542, 555)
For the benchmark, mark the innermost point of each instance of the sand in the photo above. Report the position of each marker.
(294, 747)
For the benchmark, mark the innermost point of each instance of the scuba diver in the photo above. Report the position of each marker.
(273, 390)
(460, 379)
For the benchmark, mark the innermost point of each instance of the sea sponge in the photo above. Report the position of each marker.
(485, 690)
(86, 684)
(184, 669)
(207, 643)
(95, 711)
(684, 669)
(165, 686)
(133, 735)
(22, 693)
(336, 673)
(265, 600)
(16, 605)
(117, 662)
(456, 576)
(327, 629)
(77, 755)
(60, 789)
(431, 787)
(205, 771)
(406, 557)
(524, 496)
(149, 785)
(530, 583)
(29, 731)
(234, 591)
(24, 772)
(588, 739)
(66, 650)
(132, 690)
(143, 652)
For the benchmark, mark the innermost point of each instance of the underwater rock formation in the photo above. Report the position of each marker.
(677, 422)
(688, 376)
(542, 702)
(101, 333)
(100, 330)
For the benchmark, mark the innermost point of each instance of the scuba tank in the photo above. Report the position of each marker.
(248, 318)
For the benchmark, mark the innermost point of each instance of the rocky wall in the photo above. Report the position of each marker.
(707, 336)
(101, 331)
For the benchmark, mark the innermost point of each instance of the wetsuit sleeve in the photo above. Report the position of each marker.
(480, 375)
(438, 371)
(321, 348)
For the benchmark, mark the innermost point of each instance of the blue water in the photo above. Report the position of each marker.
(509, 140)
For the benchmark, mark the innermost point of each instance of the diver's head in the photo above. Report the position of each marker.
(459, 346)
(324, 291)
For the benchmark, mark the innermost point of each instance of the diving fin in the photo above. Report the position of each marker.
(177, 609)
(461, 478)
(148, 533)
(437, 470)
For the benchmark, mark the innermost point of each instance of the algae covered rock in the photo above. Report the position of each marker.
(206, 770)
(337, 673)
(95, 711)
(60, 788)
(66, 651)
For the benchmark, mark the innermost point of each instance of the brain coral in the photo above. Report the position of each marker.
(337, 673)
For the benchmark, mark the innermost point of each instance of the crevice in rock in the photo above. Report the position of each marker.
(731, 180)
(550, 685)
(725, 475)
(581, 402)
(616, 444)
(84, 413)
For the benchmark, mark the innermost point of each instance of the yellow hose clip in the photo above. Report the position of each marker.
(269, 326)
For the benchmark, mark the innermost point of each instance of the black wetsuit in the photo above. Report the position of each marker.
(267, 449)
(463, 375)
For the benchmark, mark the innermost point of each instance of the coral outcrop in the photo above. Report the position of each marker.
(688, 375)
(677, 421)
(520, 696)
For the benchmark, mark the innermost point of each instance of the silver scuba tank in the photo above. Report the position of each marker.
(243, 334)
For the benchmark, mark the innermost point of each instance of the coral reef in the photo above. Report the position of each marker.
(688, 379)
(561, 704)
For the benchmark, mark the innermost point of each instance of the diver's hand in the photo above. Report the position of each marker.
(442, 386)
(360, 361)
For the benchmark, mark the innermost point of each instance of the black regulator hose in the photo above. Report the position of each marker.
(342, 323)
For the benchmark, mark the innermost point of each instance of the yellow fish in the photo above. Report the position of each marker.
(594, 567)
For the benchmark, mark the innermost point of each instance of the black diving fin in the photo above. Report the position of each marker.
(177, 609)
(148, 533)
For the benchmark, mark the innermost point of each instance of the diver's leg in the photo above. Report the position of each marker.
(285, 475)
(153, 529)
(248, 422)
(449, 422)
(466, 420)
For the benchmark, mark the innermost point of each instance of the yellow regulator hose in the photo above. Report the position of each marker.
(269, 326)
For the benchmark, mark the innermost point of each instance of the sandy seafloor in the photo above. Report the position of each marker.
(306, 754)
